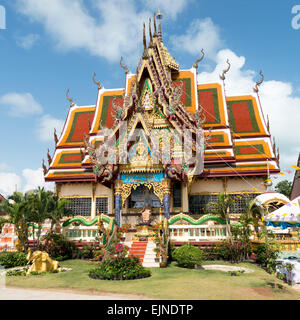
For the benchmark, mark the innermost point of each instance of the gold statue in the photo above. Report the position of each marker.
(146, 214)
(41, 262)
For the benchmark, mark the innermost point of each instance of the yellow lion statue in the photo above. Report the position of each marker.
(41, 262)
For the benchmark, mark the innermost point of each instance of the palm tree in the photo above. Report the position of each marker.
(58, 210)
(16, 206)
(39, 202)
(221, 208)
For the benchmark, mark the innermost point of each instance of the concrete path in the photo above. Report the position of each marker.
(9, 293)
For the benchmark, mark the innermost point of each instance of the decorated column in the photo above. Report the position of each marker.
(167, 193)
(118, 200)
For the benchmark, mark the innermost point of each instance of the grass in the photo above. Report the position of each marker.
(167, 283)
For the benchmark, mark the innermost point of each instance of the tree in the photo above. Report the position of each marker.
(58, 210)
(39, 203)
(221, 208)
(16, 206)
(284, 187)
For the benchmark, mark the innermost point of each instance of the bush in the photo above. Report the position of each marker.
(187, 256)
(13, 259)
(60, 248)
(211, 252)
(87, 252)
(266, 256)
(120, 268)
(234, 252)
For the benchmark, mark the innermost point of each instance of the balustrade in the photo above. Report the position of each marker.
(197, 233)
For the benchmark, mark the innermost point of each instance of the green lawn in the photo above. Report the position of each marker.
(167, 283)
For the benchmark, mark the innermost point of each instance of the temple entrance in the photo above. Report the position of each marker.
(142, 196)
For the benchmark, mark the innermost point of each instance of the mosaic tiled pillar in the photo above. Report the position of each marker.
(118, 200)
(166, 199)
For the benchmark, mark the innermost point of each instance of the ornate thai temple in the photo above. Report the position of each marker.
(296, 182)
(165, 140)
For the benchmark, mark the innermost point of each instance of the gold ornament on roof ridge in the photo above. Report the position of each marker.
(258, 83)
(222, 77)
(72, 104)
(97, 82)
(124, 66)
(195, 65)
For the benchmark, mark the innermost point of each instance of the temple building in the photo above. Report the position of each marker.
(296, 183)
(165, 140)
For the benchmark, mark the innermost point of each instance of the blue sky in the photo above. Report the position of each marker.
(51, 45)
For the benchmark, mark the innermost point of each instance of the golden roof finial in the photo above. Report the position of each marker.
(144, 37)
(195, 65)
(159, 16)
(150, 33)
(222, 77)
(258, 83)
(145, 56)
(72, 104)
(154, 22)
(96, 81)
(124, 66)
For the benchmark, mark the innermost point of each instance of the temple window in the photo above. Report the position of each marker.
(102, 205)
(177, 195)
(239, 202)
(197, 203)
(80, 206)
(142, 195)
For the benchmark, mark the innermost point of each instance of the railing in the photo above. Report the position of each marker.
(81, 233)
(197, 233)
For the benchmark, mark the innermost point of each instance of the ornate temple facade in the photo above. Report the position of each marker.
(296, 182)
(165, 139)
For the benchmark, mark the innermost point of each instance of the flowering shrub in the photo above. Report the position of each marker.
(235, 252)
(120, 250)
(120, 268)
(60, 248)
(124, 228)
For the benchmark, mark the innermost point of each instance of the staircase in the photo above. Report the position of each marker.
(144, 250)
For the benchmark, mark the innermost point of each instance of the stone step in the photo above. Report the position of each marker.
(151, 265)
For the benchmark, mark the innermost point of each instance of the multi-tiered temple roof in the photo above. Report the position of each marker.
(239, 141)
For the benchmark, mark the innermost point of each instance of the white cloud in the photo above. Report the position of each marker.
(29, 179)
(167, 7)
(46, 125)
(200, 34)
(28, 41)
(71, 26)
(20, 104)
(4, 167)
(279, 100)
(34, 179)
(8, 183)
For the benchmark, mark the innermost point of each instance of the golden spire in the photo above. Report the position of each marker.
(159, 16)
(144, 37)
(150, 33)
(154, 22)
(145, 56)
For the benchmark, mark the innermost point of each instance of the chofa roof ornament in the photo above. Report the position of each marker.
(258, 83)
(222, 77)
(72, 104)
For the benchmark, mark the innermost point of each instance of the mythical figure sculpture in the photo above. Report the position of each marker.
(107, 235)
(146, 214)
(41, 262)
